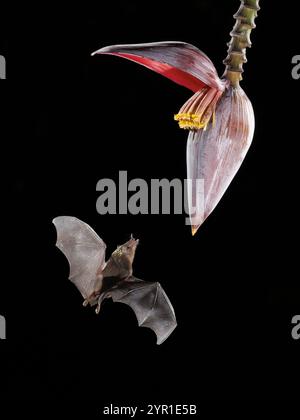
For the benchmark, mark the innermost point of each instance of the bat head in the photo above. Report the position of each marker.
(127, 250)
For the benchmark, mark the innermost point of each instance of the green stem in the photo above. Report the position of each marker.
(240, 40)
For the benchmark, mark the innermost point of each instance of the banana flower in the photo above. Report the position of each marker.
(219, 115)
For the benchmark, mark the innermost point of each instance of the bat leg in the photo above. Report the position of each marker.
(91, 300)
(101, 298)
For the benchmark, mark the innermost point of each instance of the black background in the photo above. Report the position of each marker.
(68, 120)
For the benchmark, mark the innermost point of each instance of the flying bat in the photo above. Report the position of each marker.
(98, 280)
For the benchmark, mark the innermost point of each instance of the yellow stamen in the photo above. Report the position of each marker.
(197, 112)
(194, 230)
(187, 121)
(214, 119)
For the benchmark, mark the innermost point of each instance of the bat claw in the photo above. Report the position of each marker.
(85, 303)
(101, 297)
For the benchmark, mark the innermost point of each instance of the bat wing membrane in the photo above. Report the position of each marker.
(84, 250)
(150, 303)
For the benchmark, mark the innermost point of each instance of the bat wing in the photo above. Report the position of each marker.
(150, 303)
(84, 250)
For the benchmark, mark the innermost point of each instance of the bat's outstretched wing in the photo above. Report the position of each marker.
(84, 250)
(150, 303)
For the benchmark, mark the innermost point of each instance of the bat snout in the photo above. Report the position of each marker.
(130, 246)
(133, 242)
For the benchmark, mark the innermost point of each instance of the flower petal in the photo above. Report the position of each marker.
(181, 62)
(216, 154)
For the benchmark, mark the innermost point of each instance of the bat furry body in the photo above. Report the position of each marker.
(98, 280)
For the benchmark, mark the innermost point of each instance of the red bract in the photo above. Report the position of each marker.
(181, 62)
